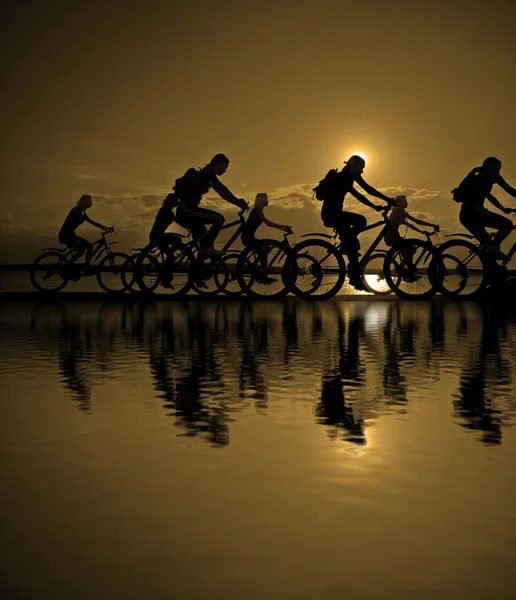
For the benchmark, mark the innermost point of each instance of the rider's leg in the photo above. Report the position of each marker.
(80, 245)
(355, 222)
(496, 221)
(474, 221)
(203, 216)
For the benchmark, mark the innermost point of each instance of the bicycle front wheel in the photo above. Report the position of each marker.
(49, 272)
(111, 280)
(257, 284)
(373, 276)
(413, 269)
(314, 270)
(225, 275)
(466, 269)
(141, 273)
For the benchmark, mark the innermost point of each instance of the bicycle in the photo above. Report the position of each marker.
(411, 267)
(474, 270)
(189, 269)
(59, 267)
(252, 279)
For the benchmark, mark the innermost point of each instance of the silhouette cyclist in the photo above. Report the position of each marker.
(191, 188)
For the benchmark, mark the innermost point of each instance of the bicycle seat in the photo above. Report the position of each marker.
(58, 249)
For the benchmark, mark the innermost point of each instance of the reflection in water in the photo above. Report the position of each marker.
(344, 373)
(483, 372)
(354, 361)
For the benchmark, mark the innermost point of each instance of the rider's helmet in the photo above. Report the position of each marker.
(355, 164)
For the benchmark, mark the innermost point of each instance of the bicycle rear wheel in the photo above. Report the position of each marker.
(314, 270)
(50, 272)
(466, 269)
(413, 269)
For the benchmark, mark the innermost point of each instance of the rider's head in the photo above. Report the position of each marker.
(261, 200)
(85, 202)
(355, 164)
(401, 201)
(492, 165)
(219, 164)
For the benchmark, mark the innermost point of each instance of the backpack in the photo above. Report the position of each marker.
(465, 188)
(328, 186)
(191, 185)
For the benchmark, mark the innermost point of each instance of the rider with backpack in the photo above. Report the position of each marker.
(472, 192)
(332, 190)
(190, 189)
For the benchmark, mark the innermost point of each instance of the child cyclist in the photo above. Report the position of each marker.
(255, 219)
(398, 217)
(76, 217)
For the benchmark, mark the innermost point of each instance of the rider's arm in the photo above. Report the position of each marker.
(505, 186)
(92, 222)
(370, 189)
(414, 228)
(495, 202)
(419, 221)
(361, 198)
(224, 192)
(271, 223)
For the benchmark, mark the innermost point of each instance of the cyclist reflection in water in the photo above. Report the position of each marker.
(332, 409)
(474, 403)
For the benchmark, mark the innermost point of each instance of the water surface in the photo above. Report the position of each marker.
(358, 448)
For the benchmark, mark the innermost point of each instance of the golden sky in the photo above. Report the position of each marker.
(117, 99)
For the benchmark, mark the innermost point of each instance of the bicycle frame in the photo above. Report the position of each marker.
(99, 247)
(386, 227)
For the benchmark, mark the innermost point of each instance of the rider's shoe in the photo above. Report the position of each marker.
(201, 284)
(356, 282)
(495, 252)
(268, 280)
(211, 251)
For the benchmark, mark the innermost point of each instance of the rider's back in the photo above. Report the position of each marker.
(473, 189)
(74, 218)
(334, 200)
(192, 186)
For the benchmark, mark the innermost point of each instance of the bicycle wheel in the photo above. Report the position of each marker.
(413, 269)
(225, 275)
(466, 269)
(111, 281)
(178, 273)
(373, 277)
(141, 273)
(49, 272)
(209, 276)
(314, 270)
(252, 279)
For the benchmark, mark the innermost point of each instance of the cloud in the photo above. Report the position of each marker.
(89, 177)
(413, 194)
